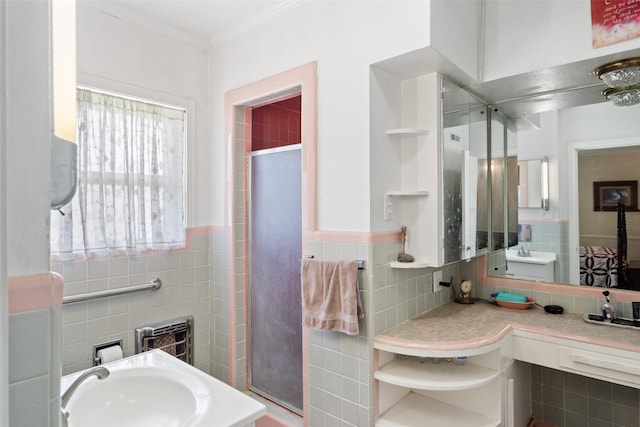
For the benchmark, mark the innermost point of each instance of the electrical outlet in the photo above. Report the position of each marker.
(437, 278)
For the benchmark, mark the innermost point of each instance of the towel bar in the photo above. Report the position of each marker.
(359, 262)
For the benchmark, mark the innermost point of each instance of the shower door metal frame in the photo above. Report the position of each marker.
(250, 189)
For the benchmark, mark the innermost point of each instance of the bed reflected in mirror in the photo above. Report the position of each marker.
(609, 225)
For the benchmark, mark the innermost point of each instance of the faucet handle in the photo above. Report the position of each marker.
(64, 417)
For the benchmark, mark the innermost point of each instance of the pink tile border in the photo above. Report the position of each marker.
(35, 292)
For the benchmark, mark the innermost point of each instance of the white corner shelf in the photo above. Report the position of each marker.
(414, 264)
(407, 132)
(412, 373)
(418, 410)
(408, 193)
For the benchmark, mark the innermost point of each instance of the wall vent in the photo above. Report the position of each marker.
(172, 336)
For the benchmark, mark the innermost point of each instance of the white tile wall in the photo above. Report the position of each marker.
(186, 290)
(219, 349)
(34, 368)
(195, 282)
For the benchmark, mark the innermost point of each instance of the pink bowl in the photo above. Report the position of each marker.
(516, 305)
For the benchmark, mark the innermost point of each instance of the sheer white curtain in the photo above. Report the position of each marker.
(131, 180)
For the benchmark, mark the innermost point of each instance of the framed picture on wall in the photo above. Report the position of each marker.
(607, 195)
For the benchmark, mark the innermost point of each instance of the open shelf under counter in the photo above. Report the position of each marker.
(407, 132)
(425, 375)
(417, 410)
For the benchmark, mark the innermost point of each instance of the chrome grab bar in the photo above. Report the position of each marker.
(154, 285)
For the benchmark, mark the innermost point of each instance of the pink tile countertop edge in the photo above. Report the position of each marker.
(454, 327)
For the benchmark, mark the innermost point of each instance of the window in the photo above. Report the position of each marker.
(131, 188)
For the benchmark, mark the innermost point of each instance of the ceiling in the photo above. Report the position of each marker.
(203, 21)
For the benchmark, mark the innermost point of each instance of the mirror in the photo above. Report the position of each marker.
(464, 152)
(566, 124)
(503, 174)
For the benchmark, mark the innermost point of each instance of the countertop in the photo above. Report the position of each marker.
(480, 326)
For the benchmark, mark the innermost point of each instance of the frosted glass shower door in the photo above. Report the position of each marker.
(275, 367)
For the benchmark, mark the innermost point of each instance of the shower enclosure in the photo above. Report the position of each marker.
(275, 239)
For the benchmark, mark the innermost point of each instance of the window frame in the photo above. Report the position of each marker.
(121, 89)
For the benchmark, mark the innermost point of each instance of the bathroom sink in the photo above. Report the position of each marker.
(537, 257)
(538, 266)
(156, 389)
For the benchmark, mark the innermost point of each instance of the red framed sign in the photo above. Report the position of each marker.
(613, 21)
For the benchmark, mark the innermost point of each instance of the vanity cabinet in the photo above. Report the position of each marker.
(425, 166)
(439, 390)
(494, 386)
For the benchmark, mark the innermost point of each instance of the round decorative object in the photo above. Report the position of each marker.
(465, 286)
(464, 297)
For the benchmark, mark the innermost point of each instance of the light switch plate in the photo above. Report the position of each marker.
(437, 278)
(388, 208)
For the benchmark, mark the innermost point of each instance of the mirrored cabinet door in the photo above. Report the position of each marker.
(464, 163)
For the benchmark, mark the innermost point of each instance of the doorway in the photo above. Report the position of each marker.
(275, 249)
(231, 321)
(576, 148)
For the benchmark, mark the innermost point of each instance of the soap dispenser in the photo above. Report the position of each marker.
(608, 309)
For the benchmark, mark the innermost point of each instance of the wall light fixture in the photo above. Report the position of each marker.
(544, 178)
(623, 81)
(64, 151)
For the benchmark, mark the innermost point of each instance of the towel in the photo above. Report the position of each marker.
(330, 297)
(505, 296)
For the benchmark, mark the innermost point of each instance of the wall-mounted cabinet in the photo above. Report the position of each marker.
(427, 154)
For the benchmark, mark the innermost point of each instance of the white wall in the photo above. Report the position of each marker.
(28, 133)
(603, 121)
(526, 35)
(535, 144)
(344, 38)
(595, 122)
(455, 27)
(133, 58)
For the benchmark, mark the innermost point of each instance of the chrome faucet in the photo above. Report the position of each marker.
(99, 371)
(524, 253)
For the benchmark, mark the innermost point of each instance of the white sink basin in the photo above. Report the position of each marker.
(156, 389)
(537, 257)
(538, 266)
